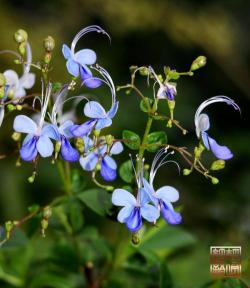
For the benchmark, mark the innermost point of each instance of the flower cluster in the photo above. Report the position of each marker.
(52, 132)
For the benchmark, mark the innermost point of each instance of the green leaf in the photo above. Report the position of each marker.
(145, 104)
(132, 140)
(97, 200)
(166, 238)
(75, 215)
(165, 277)
(155, 140)
(126, 171)
(78, 182)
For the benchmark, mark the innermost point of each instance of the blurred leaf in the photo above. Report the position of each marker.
(34, 208)
(165, 277)
(50, 280)
(75, 215)
(17, 239)
(132, 140)
(60, 213)
(77, 181)
(145, 104)
(126, 171)
(166, 238)
(97, 200)
(156, 139)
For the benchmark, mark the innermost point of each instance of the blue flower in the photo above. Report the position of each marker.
(166, 90)
(61, 134)
(94, 110)
(103, 157)
(37, 140)
(164, 196)
(100, 118)
(77, 63)
(202, 124)
(134, 209)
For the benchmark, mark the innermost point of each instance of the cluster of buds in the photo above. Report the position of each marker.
(46, 214)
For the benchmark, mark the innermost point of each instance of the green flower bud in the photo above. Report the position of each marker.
(198, 63)
(109, 139)
(144, 71)
(2, 92)
(31, 179)
(170, 123)
(186, 172)
(136, 238)
(2, 80)
(215, 180)
(146, 167)
(16, 136)
(109, 188)
(98, 167)
(171, 104)
(21, 36)
(218, 165)
(22, 48)
(47, 212)
(19, 107)
(49, 44)
(44, 224)
(80, 145)
(8, 227)
(47, 57)
(11, 107)
(97, 133)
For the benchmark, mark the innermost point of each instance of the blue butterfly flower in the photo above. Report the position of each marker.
(77, 63)
(103, 157)
(94, 110)
(164, 196)
(38, 138)
(134, 209)
(202, 124)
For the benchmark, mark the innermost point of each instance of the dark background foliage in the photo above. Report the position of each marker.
(158, 33)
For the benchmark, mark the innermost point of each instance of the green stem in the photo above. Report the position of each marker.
(64, 172)
(145, 136)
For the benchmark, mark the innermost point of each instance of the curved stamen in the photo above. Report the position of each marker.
(215, 99)
(92, 28)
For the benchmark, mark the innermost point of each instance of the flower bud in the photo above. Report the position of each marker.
(8, 227)
(44, 224)
(198, 63)
(11, 107)
(31, 179)
(215, 180)
(80, 145)
(47, 212)
(144, 71)
(49, 44)
(109, 139)
(2, 80)
(218, 165)
(47, 57)
(16, 136)
(21, 36)
(19, 107)
(22, 48)
(109, 188)
(186, 172)
(136, 238)
(2, 92)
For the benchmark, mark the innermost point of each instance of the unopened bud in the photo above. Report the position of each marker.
(186, 172)
(11, 107)
(21, 36)
(98, 167)
(44, 225)
(218, 165)
(170, 123)
(16, 136)
(198, 63)
(19, 107)
(97, 133)
(22, 48)
(109, 139)
(31, 179)
(136, 238)
(109, 188)
(8, 227)
(2, 80)
(144, 71)
(146, 167)
(47, 212)
(49, 44)
(214, 180)
(47, 57)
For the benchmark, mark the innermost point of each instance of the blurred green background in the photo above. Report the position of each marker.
(156, 33)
